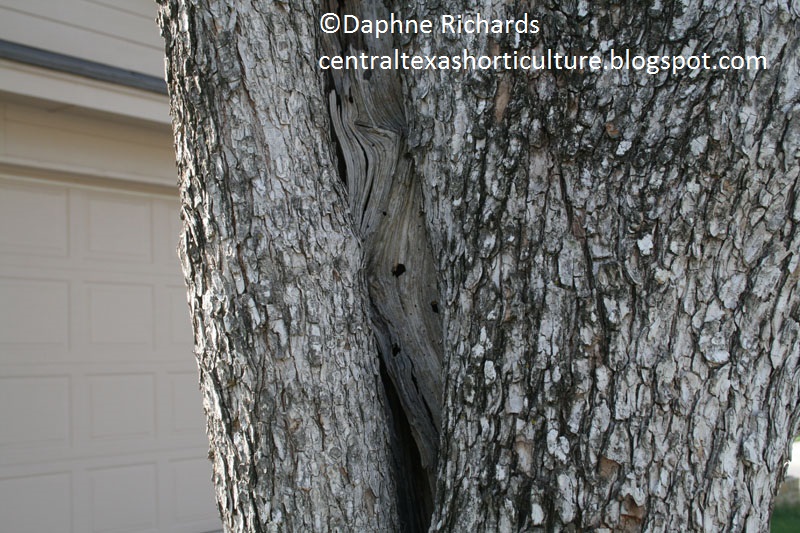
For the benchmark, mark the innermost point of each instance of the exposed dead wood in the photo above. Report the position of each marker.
(385, 197)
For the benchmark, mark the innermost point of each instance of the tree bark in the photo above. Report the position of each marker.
(288, 366)
(583, 287)
(619, 260)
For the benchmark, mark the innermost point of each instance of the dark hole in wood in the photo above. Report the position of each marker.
(395, 349)
(435, 307)
(340, 161)
(414, 499)
(398, 270)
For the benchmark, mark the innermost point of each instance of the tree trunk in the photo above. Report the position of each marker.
(619, 261)
(583, 286)
(288, 365)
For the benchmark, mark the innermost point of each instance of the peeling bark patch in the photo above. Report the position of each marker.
(608, 468)
(612, 130)
(501, 99)
(632, 510)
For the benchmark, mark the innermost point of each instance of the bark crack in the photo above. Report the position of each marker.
(385, 200)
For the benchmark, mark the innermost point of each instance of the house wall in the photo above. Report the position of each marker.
(122, 33)
(101, 417)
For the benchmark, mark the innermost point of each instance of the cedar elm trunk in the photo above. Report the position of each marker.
(287, 360)
(519, 301)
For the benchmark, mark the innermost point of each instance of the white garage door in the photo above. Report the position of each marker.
(101, 425)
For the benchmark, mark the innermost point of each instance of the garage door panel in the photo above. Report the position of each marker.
(191, 498)
(38, 503)
(34, 314)
(119, 228)
(167, 225)
(180, 333)
(33, 220)
(122, 406)
(123, 499)
(101, 416)
(45, 402)
(186, 411)
(120, 313)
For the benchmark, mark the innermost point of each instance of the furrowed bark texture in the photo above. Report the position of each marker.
(288, 364)
(619, 264)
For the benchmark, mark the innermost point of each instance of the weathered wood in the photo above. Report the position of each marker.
(386, 199)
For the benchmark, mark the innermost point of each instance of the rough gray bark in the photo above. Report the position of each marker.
(619, 258)
(288, 365)
(613, 260)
